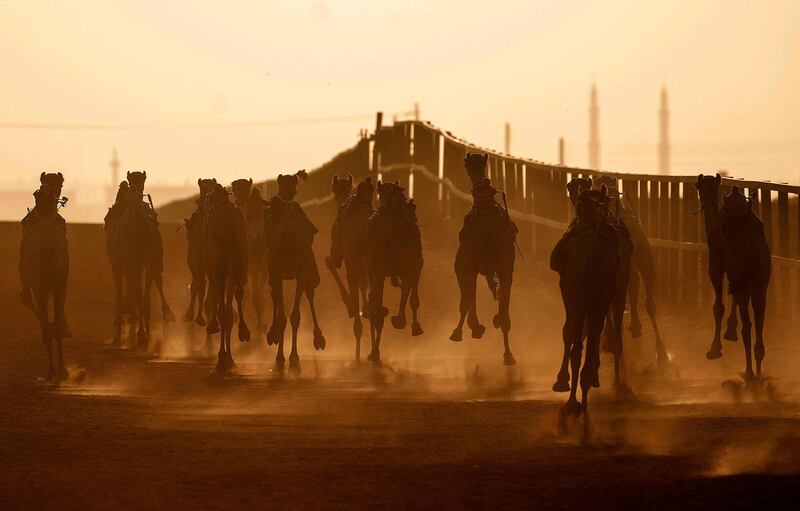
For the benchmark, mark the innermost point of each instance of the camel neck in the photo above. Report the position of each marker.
(710, 214)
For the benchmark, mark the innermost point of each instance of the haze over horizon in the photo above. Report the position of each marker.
(731, 69)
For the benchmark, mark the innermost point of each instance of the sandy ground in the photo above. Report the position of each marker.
(444, 425)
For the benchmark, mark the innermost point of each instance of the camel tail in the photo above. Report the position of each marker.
(493, 284)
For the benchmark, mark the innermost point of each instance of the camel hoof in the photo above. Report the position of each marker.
(319, 340)
(294, 363)
(636, 330)
(572, 407)
(280, 363)
(224, 363)
(496, 321)
(200, 320)
(399, 322)
(375, 358)
(478, 331)
(244, 332)
(456, 335)
(731, 335)
(416, 329)
(714, 353)
(167, 316)
(561, 385)
(384, 311)
(212, 328)
(508, 359)
(595, 382)
(748, 377)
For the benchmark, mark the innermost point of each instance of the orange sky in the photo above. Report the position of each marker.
(732, 69)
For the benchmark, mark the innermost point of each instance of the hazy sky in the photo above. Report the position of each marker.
(732, 69)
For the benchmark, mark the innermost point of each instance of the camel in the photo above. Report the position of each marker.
(738, 248)
(395, 251)
(194, 254)
(43, 269)
(111, 227)
(248, 200)
(342, 189)
(614, 320)
(587, 261)
(141, 257)
(225, 259)
(289, 235)
(349, 244)
(642, 267)
(486, 247)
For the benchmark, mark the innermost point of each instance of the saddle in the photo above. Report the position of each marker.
(578, 229)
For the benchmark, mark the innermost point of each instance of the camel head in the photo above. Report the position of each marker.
(592, 205)
(341, 188)
(206, 186)
(391, 194)
(287, 184)
(254, 199)
(576, 186)
(365, 190)
(708, 189)
(136, 181)
(735, 204)
(475, 164)
(218, 196)
(241, 190)
(54, 182)
(609, 182)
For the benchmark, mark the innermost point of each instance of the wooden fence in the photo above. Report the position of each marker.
(429, 162)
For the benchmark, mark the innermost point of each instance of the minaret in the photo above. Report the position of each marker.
(594, 135)
(663, 128)
(112, 189)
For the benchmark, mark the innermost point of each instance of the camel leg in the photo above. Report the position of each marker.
(119, 305)
(759, 311)
(377, 314)
(242, 330)
(340, 285)
(416, 328)
(200, 319)
(44, 324)
(730, 330)
(576, 348)
(592, 364)
(257, 279)
(661, 351)
(633, 294)
(166, 312)
(145, 315)
(294, 319)
(358, 327)
(364, 287)
(319, 339)
(716, 274)
(573, 328)
(189, 314)
(278, 323)
(224, 316)
(59, 297)
(743, 303)
(503, 319)
(399, 321)
(472, 307)
(463, 306)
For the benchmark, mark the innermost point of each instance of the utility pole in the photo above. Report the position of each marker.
(594, 130)
(416, 111)
(508, 139)
(561, 151)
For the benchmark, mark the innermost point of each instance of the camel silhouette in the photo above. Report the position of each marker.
(248, 200)
(342, 189)
(195, 238)
(395, 251)
(738, 248)
(141, 257)
(111, 227)
(587, 261)
(225, 257)
(349, 244)
(290, 235)
(486, 247)
(43, 270)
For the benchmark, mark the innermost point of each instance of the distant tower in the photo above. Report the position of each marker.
(594, 132)
(112, 189)
(663, 141)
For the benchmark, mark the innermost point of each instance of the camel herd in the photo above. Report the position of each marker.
(252, 241)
